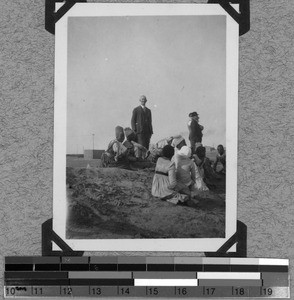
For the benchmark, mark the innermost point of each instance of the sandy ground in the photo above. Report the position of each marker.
(116, 203)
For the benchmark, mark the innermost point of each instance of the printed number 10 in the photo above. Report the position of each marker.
(10, 291)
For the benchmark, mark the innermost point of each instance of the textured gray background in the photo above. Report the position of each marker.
(266, 130)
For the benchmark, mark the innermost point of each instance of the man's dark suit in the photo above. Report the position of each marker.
(142, 125)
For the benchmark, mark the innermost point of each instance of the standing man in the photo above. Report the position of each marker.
(195, 131)
(142, 123)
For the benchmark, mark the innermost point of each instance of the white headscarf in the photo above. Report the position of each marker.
(185, 151)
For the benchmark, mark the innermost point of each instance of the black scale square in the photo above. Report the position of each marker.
(244, 268)
(217, 268)
(103, 267)
(47, 267)
(74, 267)
(19, 267)
(132, 267)
(273, 268)
(160, 267)
(184, 267)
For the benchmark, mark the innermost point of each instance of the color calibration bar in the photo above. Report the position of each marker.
(146, 276)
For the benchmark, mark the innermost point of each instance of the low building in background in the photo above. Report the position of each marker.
(93, 154)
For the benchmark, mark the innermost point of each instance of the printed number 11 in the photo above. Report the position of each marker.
(37, 291)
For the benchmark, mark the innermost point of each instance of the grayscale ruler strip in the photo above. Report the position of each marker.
(113, 276)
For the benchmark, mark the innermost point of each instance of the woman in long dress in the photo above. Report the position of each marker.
(164, 181)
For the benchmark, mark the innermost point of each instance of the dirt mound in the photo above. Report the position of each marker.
(117, 203)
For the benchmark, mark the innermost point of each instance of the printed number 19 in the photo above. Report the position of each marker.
(267, 291)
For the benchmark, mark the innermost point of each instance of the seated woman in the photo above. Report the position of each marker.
(178, 142)
(116, 153)
(199, 185)
(130, 136)
(185, 170)
(164, 184)
(204, 165)
(220, 158)
(136, 153)
(155, 150)
(136, 150)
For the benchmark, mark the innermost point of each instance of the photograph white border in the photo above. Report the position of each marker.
(60, 121)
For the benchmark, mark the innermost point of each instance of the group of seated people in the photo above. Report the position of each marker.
(125, 152)
(180, 174)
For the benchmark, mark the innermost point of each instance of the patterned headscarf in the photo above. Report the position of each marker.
(177, 139)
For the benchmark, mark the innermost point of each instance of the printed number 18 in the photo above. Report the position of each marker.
(239, 292)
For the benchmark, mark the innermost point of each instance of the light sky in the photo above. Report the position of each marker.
(178, 62)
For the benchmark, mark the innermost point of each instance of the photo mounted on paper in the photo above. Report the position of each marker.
(145, 137)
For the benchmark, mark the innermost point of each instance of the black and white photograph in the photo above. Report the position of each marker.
(145, 127)
(145, 138)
